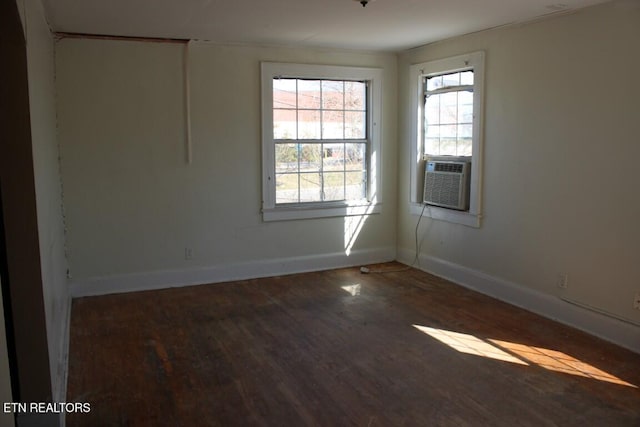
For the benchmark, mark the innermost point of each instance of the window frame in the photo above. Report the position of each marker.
(472, 61)
(372, 203)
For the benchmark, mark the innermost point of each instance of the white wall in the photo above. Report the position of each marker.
(133, 204)
(42, 99)
(561, 151)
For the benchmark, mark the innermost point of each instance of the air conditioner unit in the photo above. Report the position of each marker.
(446, 182)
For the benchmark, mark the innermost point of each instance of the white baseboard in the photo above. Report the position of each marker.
(225, 273)
(616, 331)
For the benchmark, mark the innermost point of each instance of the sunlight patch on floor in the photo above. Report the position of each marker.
(559, 362)
(522, 354)
(354, 290)
(469, 344)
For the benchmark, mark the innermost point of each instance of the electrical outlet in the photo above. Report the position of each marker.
(563, 280)
(188, 253)
(636, 301)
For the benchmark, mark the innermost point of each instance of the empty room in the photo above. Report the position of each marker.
(336, 213)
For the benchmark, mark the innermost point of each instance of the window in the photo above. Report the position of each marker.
(448, 97)
(320, 140)
(448, 114)
(320, 137)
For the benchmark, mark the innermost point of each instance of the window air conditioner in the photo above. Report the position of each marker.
(446, 182)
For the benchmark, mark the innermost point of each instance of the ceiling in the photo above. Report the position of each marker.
(383, 25)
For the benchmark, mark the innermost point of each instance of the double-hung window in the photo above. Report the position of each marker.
(320, 140)
(447, 96)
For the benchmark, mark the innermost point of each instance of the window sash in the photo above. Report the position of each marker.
(457, 141)
(326, 192)
(302, 189)
(319, 103)
(456, 134)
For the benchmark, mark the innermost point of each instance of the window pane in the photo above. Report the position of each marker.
(355, 158)
(309, 94)
(449, 107)
(287, 188)
(286, 158)
(448, 131)
(355, 96)
(332, 124)
(333, 157)
(465, 147)
(332, 95)
(284, 93)
(432, 109)
(333, 185)
(308, 124)
(448, 147)
(465, 107)
(354, 125)
(310, 157)
(284, 124)
(448, 121)
(465, 131)
(434, 82)
(433, 131)
(355, 185)
(432, 146)
(310, 189)
(452, 79)
(466, 78)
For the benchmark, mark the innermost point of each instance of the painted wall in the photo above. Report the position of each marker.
(132, 202)
(42, 103)
(562, 119)
(22, 279)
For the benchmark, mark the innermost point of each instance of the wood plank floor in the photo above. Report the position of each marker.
(339, 348)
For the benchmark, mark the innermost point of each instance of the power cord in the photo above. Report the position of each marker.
(418, 247)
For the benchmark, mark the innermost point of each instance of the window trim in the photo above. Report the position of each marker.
(474, 61)
(372, 203)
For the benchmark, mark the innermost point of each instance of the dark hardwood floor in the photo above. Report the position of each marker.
(339, 348)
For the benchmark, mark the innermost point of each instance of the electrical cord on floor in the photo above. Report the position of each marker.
(418, 246)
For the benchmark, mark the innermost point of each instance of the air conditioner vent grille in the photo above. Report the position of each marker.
(449, 167)
(443, 189)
